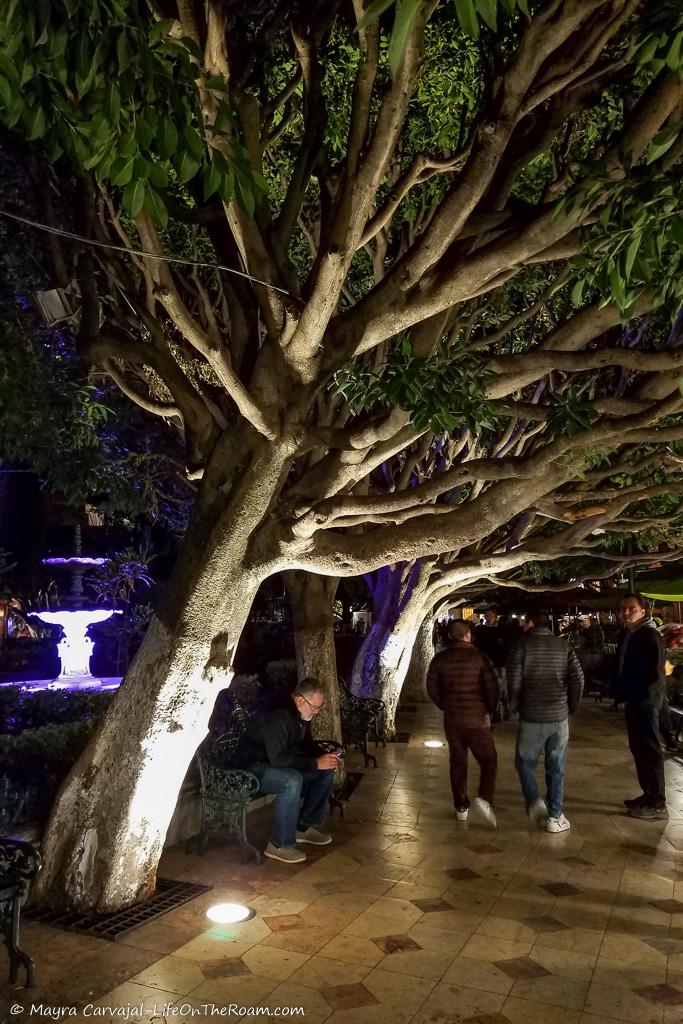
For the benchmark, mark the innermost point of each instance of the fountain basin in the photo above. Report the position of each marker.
(75, 648)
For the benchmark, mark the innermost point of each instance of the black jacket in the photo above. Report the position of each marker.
(544, 677)
(640, 675)
(282, 739)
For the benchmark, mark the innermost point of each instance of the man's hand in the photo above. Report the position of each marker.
(326, 761)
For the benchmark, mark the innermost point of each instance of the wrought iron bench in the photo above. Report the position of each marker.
(19, 864)
(227, 791)
(361, 719)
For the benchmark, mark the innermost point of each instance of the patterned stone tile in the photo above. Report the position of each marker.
(331, 888)
(560, 889)
(348, 997)
(396, 943)
(461, 874)
(576, 862)
(287, 921)
(433, 906)
(228, 967)
(403, 837)
(522, 968)
(668, 906)
(485, 848)
(486, 1018)
(663, 944)
(544, 924)
(662, 995)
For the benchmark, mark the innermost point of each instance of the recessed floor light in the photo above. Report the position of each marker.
(229, 913)
(433, 743)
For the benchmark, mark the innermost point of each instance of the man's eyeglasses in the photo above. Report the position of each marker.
(313, 707)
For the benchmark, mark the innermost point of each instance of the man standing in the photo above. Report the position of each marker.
(545, 683)
(641, 685)
(462, 683)
(279, 751)
(489, 639)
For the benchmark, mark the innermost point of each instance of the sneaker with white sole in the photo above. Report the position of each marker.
(313, 836)
(485, 811)
(461, 813)
(560, 824)
(287, 854)
(538, 813)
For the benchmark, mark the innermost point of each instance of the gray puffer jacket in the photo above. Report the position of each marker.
(544, 677)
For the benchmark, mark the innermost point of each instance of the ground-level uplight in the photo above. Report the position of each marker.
(229, 913)
(432, 743)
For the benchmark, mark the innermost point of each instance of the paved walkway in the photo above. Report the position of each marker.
(411, 916)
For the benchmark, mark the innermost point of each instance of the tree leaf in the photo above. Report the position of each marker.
(212, 179)
(467, 16)
(195, 143)
(134, 198)
(187, 168)
(524, 8)
(217, 83)
(156, 207)
(374, 11)
(488, 11)
(673, 57)
(631, 254)
(403, 22)
(244, 196)
(36, 124)
(662, 142)
(167, 142)
(5, 93)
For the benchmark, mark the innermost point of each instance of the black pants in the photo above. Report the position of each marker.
(642, 725)
(480, 742)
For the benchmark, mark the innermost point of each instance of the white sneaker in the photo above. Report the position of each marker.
(461, 813)
(560, 824)
(485, 811)
(538, 814)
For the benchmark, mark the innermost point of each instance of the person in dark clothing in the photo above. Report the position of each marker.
(462, 683)
(490, 639)
(279, 751)
(545, 683)
(641, 686)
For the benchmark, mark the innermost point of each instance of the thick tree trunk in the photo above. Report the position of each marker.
(414, 689)
(382, 663)
(311, 598)
(107, 828)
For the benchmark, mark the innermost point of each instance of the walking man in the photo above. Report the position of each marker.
(463, 684)
(280, 753)
(545, 684)
(641, 685)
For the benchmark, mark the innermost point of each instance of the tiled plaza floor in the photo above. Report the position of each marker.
(411, 916)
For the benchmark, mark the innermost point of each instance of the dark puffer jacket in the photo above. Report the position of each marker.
(640, 672)
(461, 681)
(544, 677)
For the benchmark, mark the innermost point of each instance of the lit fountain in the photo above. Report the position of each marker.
(76, 646)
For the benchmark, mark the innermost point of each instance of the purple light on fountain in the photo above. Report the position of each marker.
(80, 560)
(76, 647)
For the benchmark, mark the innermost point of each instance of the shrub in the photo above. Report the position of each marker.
(34, 764)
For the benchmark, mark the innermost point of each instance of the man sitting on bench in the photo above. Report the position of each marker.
(279, 752)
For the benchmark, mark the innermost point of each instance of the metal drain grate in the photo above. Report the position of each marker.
(168, 896)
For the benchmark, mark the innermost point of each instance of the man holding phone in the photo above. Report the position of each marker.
(280, 754)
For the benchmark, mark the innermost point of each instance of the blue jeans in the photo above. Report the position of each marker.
(549, 739)
(289, 786)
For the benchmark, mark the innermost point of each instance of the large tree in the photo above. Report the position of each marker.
(371, 194)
